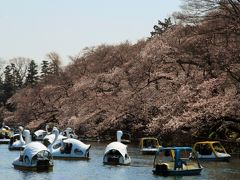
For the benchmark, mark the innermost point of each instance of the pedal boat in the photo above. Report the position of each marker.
(17, 142)
(5, 134)
(126, 138)
(68, 148)
(211, 150)
(35, 157)
(176, 161)
(68, 132)
(116, 152)
(40, 134)
(149, 145)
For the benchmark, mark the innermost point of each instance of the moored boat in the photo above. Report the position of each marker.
(68, 132)
(5, 134)
(68, 148)
(17, 142)
(40, 134)
(149, 145)
(116, 152)
(35, 157)
(126, 138)
(211, 150)
(176, 161)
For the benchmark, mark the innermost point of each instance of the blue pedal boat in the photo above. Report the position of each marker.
(176, 161)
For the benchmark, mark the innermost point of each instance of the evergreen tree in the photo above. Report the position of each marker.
(18, 79)
(162, 27)
(8, 87)
(45, 69)
(2, 95)
(1, 82)
(54, 66)
(8, 78)
(32, 75)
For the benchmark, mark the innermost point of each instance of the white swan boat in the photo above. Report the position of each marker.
(17, 142)
(68, 148)
(40, 134)
(116, 152)
(68, 132)
(35, 157)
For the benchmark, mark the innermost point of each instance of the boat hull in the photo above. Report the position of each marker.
(191, 172)
(148, 151)
(108, 160)
(15, 148)
(71, 158)
(43, 167)
(25, 168)
(215, 159)
(4, 141)
(116, 163)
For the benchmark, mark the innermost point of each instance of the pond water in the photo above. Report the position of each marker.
(141, 168)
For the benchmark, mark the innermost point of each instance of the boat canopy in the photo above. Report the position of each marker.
(40, 132)
(122, 148)
(76, 144)
(176, 148)
(33, 148)
(208, 142)
(6, 131)
(149, 141)
(149, 138)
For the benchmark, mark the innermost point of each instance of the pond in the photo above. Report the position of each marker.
(141, 168)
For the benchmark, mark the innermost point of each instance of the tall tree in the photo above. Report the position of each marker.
(2, 95)
(55, 63)
(8, 77)
(18, 79)
(194, 11)
(32, 74)
(213, 42)
(8, 85)
(162, 26)
(20, 69)
(45, 69)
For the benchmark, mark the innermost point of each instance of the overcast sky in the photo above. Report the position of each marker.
(33, 28)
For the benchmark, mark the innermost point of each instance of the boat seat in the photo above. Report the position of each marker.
(179, 164)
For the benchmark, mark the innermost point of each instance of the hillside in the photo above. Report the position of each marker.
(182, 82)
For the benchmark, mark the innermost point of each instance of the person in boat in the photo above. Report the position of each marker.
(149, 144)
(218, 148)
(167, 156)
(179, 164)
(66, 148)
(205, 149)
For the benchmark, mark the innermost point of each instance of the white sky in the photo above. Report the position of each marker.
(31, 28)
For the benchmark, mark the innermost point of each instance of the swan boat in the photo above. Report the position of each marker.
(211, 150)
(176, 161)
(68, 132)
(68, 148)
(116, 152)
(40, 134)
(17, 142)
(35, 157)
